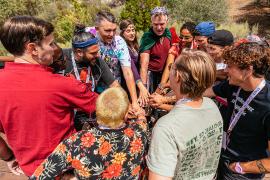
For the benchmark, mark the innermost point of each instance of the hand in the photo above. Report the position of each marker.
(14, 167)
(135, 106)
(135, 113)
(156, 100)
(140, 113)
(161, 89)
(143, 97)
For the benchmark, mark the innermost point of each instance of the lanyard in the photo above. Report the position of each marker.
(236, 117)
(78, 75)
(183, 101)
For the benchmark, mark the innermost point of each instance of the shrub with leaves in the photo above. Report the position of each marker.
(139, 12)
(72, 12)
(198, 10)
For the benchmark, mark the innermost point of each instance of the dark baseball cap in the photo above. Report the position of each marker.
(221, 38)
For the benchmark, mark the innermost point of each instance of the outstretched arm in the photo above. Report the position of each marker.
(144, 61)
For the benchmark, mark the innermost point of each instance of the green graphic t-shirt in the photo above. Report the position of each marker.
(186, 143)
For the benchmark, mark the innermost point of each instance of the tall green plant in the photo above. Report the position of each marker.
(139, 12)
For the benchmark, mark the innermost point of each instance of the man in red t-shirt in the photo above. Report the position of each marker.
(154, 48)
(36, 105)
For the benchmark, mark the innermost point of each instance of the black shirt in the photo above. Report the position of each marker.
(100, 70)
(101, 73)
(249, 138)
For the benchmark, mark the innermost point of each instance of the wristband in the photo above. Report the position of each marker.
(238, 168)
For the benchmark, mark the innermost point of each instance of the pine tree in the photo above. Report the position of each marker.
(139, 12)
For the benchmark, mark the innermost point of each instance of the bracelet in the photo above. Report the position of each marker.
(261, 167)
(238, 168)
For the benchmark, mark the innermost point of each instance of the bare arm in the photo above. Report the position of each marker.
(144, 61)
(255, 167)
(128, 75)
(143, 95)
(166, 72)
(154, 176)
(6, 154)
(166, 107)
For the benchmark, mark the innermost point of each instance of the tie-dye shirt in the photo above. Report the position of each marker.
(116, 55)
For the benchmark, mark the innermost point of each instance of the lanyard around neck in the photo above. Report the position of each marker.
(77, 75)
(183, 101)
(236, 117)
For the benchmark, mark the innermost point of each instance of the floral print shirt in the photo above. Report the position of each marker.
(115, 54)
(99, 153)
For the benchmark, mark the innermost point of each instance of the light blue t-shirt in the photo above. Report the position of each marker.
(116, 55)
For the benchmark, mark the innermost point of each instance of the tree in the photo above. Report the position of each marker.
(139, 12)
(11, 8)
(73, 12)
(197, 10)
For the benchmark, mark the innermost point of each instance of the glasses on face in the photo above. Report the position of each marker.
(185, 37)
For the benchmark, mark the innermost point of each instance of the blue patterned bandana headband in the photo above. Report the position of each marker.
(85, 44)
(159, 10)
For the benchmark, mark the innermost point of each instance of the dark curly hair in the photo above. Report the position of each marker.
(190, 26)
(249, 54)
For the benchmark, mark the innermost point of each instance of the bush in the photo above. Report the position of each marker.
(139, 12)
(71, 13)
(21, 7)
(197, 10)
(239, 30)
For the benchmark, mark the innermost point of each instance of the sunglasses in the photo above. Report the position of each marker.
(185, 37)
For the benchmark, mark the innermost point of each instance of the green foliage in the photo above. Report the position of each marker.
(197, 10)
(63, 14)
(239, 30)
(139, 12)
(73, 12)
(10, 8)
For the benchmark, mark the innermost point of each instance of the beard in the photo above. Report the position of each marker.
(84, 62)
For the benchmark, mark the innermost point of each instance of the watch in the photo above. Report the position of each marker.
(238, 168)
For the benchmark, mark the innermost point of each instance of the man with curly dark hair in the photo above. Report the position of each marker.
(247, 121)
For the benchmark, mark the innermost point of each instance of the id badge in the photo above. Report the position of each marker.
(224, 140)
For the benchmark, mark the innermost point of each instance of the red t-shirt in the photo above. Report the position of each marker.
(158, 55)
(37, 110)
